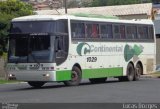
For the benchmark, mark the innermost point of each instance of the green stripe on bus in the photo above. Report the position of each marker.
(63, 75)
(103, 72)
(90, 73)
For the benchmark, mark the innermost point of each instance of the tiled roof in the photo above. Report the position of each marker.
(107, 10)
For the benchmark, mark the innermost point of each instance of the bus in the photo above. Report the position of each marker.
(68, 48)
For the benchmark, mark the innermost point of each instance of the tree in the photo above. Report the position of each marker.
(8, 10)
(4, 26)
(99, 3)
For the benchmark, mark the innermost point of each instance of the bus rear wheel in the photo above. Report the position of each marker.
(36, 84)
(139, 72)
(76, 76)
(97, 80)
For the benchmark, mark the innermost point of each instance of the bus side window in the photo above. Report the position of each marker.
(92, 30)
(109, 31)
(117, 34)
(143, 32)
(81, 30)
(128, 32)
(122, 31)
(62, 26)
(131, 32)
(88, 30)
(61, 49)
(95, 31)
(73, 29)
(103, 31)
(106, 31)
(61, 42)
(151, 33)
(77, 30)
(140, 32)
(146, 32)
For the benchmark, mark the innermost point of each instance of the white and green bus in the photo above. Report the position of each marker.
(67, 48)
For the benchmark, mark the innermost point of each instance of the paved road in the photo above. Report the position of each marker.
(145, 90)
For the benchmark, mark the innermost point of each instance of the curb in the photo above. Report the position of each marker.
(149, 76)
(14, 83)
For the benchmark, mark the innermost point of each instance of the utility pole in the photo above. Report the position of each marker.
(65, 5)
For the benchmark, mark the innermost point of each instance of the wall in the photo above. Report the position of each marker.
(157, 26)
(2, 71)
(158, 51)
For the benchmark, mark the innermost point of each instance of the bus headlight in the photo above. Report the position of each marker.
(11, 75)
(46, 75)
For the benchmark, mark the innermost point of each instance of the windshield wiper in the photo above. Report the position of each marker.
(20, 59)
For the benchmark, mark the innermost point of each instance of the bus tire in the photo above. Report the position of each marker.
(36, 84)
(76, 76)
(138, 72)
(97, 80)
(130, 72)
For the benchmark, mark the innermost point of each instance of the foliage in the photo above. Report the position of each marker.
(15, 7)
(4, 26)
(2, 81)
(8, 10)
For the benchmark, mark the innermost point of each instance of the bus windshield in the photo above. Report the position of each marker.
(25, 48)
(33, 27)
(29, 41)
(33, 41)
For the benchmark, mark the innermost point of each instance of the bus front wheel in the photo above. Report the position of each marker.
(139, 72)
(76, 76)
(36, 84)
(130, 72)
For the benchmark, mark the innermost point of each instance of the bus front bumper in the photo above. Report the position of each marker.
(32, 75)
